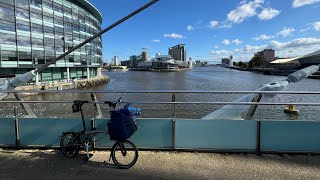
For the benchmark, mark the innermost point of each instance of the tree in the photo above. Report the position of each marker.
(258, 61)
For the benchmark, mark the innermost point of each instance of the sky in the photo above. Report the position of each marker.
(212, 29)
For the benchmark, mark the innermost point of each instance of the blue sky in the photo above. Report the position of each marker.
(212, 29)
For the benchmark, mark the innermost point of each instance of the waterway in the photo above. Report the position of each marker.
(210, 78)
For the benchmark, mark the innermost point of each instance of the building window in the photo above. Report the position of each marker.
(38, 56)
(7, 26)
(24, 41)
(37, 42)
(10, 2)
(23, 26)
(36, 28)
(25, 56)
(57, 7)
(36, 16)
(6, 13)
(8, 39)
(22, 13)
(8, 56)
(36, 3)
(24, 4)
(47, 4)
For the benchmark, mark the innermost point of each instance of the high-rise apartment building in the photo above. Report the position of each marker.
(178, 53)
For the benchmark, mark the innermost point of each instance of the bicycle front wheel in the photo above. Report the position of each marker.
(124, 154)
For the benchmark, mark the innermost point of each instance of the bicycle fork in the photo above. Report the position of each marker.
(122, 149)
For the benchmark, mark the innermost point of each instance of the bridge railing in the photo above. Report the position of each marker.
(252, 136)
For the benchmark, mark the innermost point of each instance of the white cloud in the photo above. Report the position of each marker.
(263, 37)
(296, 43)
(286, 32)
(214, 24)
(190, 28)
(268, 13)
(236, 42)
(156, 41)
(244, 11)
(306, 29)
(293, 48)
(316, 26)
(221, 53)
(226, 42)
(299, 3)
(174, 36)
(216, 47)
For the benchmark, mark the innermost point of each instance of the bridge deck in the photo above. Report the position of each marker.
(51, 164)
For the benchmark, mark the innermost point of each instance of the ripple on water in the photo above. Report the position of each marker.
(198, 79)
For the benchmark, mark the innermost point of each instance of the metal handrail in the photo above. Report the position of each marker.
(175, 103)
(162, 92)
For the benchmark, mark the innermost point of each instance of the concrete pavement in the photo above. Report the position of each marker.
(51, 164)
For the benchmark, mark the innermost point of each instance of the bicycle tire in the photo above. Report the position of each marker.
(128, 147)
(69, 149)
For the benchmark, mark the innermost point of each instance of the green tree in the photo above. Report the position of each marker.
(258, 62)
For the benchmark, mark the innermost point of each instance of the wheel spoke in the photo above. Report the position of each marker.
(124, 154)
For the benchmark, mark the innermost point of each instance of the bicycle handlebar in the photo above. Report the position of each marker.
(113, 104)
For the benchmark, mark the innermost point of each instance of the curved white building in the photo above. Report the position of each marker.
(33, 32)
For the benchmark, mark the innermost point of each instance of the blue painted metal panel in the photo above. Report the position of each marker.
(290, 136)
(7, 131)
(216, 135)
(152, 133)
(46, 132)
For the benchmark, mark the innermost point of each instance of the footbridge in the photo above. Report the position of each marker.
(172, 133)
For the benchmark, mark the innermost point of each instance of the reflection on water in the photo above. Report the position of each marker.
(198, 79)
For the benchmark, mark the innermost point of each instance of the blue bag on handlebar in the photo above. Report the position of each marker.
(121, 125)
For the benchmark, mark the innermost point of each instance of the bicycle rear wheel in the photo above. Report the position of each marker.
(124, 154)
(69, 145)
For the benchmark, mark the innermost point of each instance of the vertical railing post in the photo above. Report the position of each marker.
(258, 151)
(17, 134)
(93, 127)
(173, 121)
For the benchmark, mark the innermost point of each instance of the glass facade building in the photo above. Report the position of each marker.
(33, 32)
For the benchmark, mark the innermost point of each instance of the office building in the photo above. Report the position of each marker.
(34, 32)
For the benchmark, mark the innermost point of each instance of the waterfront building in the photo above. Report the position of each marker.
(178, 53)
(164, 63)
(135, 60)
(268, 54)
(34, 32)
(298, 62)
(310, 59)
(286, 63)
(226, 61)
(198, 63)
(116, 60)
(126, 63)
(190, 63)
(145, 55)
